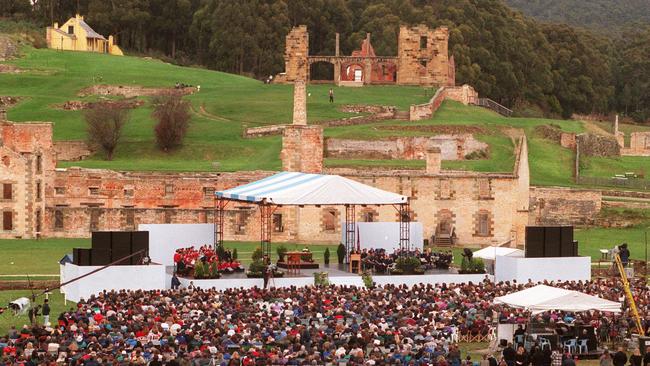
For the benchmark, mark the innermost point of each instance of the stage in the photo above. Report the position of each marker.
(337, 276)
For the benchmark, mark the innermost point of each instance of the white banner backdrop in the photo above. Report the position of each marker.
(540, 269)
(164, 239)
(384, 235)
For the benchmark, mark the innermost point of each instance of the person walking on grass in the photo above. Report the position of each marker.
(46, 311)
(331, 93)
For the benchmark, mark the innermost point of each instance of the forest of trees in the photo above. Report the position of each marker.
(533, 67)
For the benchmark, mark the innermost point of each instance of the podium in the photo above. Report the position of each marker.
(355, 263)
(293, 262)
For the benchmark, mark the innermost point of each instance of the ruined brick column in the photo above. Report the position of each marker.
(434, 160)
(299, 103)
(302, 149)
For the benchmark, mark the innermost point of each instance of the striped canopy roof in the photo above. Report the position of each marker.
(293, 188)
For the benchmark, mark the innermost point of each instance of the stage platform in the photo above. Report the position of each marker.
(337, 276)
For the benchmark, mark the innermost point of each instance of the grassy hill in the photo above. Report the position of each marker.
(228, 103)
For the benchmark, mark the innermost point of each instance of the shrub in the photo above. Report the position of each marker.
(173, 116)
(104, 123)
(340, 253)
(326, 256)
(367, 279)
(234, 254)
(199, 270)
(257, 266)
(407, 264)
(475, 265)
(282, 252)
(321, 279)
(257, 254)
(214, 271)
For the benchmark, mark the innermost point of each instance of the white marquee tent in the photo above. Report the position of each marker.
(543, 298)
(294, 188)
(490, 253)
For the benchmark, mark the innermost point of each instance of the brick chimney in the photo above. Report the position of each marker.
(434, 160)
(299, 103)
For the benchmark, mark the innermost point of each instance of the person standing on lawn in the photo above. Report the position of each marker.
(46, 312)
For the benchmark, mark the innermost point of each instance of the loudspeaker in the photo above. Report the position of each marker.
(101, 240)
(76, 256)
(121, 246)
(100, 257)
(84, 257)
(534, 242)
(139, 241)
(553, 241)
(566, 249)
(122, 249)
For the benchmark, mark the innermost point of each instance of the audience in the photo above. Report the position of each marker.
(290, 326)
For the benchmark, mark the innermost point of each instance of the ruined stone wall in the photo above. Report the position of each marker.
(27, 162)
(71, 150)
(452, 147)
(564, 206)
(296, 52)
(464, 94)
(419, 112)
(639, 145)
(422, 56)
(568, 140)
(302, 149)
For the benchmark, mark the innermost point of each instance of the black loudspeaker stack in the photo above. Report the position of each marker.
(110, 246)
(550, 241)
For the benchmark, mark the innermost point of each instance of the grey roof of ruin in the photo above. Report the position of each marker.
(90, 33)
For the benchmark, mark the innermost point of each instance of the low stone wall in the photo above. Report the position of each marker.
(596, 145)
(564, 206)
(130, 91)
(464, 94)
(71, 150)
(452, 147)
(269, 130)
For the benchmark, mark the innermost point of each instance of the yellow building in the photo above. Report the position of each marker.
(77, 35)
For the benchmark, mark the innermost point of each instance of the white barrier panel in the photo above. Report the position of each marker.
(543, 269)
(150, 277)
(226, 283)
(385, 235)
(164, 239)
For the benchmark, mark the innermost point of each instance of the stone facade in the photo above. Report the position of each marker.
(422, 59)
(452, 147)
(422, 56)
(639, 144)
(482, 208)
(564, 206)
(27, 162)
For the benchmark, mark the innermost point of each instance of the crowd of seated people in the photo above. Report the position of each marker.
(287, 326)
(379, 261)
(186, 258)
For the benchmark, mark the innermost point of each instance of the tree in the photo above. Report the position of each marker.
(104, 126)
(173, 116)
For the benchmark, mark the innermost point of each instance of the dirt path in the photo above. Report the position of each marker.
(204, 113)
(595, 129)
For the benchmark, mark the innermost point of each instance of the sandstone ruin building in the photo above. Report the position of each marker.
(422, 59)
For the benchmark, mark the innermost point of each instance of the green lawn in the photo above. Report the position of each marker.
(53, 77)
(590, 241)
(232, 102)
(7, 320)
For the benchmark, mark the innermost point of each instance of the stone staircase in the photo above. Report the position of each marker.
(442, 241)
(492, 105)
